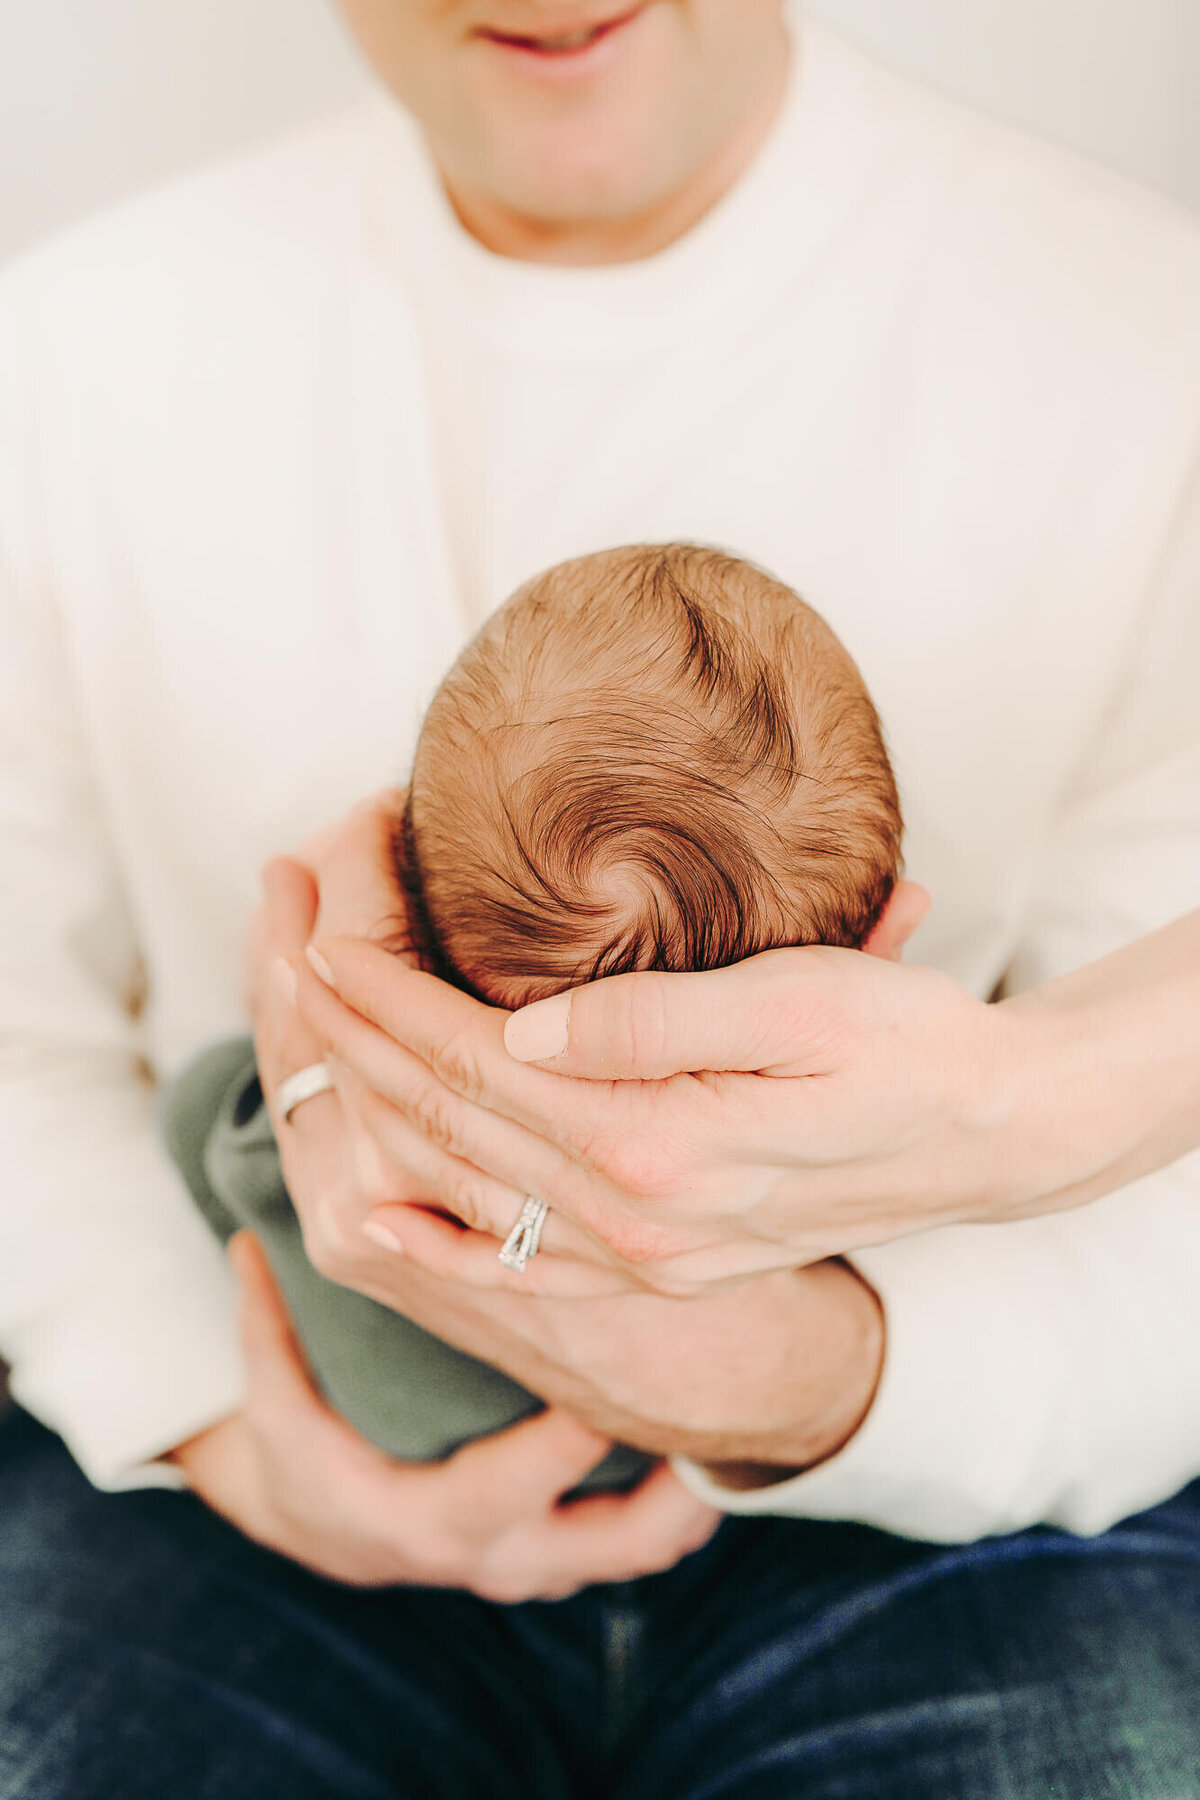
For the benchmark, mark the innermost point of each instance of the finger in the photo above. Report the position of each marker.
(521, 1472)
(283, 1040)
(308, 1115)
(905, 911)
(453, 1121)
(286, 909)
(284, 1406)
(360, 895)
(472, 1259)
(285, 1043)
(648, 1026)
(616, 1537)
(289, 905)
(462, 1042)
(395, 1161)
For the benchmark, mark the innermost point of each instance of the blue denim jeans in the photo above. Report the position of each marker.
(148, 1650)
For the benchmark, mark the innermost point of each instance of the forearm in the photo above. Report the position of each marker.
(770, 1375)
(820, 1394)
(1105, 1082)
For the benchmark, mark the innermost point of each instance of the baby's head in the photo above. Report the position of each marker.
(649, 758)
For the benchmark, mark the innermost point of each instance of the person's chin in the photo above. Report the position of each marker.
(597, 142)
(603, 170)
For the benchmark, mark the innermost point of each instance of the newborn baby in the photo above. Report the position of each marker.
(649, 758)
(653, 758)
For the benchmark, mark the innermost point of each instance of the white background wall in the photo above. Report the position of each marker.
(98, 97)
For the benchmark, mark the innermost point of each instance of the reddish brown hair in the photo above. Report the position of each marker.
(655, 757)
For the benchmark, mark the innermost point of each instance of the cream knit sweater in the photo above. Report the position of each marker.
(272, 440)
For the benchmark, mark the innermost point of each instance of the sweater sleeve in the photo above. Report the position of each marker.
(115, 1305)
(1049, 1370)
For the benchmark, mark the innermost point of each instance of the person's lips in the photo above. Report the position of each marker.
(566, 42)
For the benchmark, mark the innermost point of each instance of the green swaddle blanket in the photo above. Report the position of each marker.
(414, 1396)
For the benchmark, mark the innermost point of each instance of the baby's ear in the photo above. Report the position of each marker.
(904, 911)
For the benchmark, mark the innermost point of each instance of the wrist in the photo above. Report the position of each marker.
(212, 1458)
(1108, 1083)
(1128, 1089)
(826, 1399)
(1035, 1110)
(1024, 1050)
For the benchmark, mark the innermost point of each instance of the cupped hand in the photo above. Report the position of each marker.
(838, 1100)
(672, 1376)
(492, 1519)
(348, 1152)
(645, 1192)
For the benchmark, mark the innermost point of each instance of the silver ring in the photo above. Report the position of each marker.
(305, 1084)
(524, 1240)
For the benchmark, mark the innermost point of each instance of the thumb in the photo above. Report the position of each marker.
(649, 1025)
(289, 905)
(277, 1376)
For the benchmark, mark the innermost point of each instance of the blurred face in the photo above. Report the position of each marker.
(580, 113)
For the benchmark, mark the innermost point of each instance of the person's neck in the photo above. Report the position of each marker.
(594, 242)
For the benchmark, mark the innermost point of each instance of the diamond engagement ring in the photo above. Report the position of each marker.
(305, 1084)
(525, 1237)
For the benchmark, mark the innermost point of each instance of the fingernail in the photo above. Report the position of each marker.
(379, 1234)
(538, 1032)
(319, 966)
(284, 977)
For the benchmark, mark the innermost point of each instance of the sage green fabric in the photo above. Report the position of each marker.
(405, 1390)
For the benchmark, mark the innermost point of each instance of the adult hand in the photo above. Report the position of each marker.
(292, 1475)
(686, 1378)
(598, 1153)
(769, 1158)
(842, 1100)
(778, 1372)
(914, 1104)
(333, 1164)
